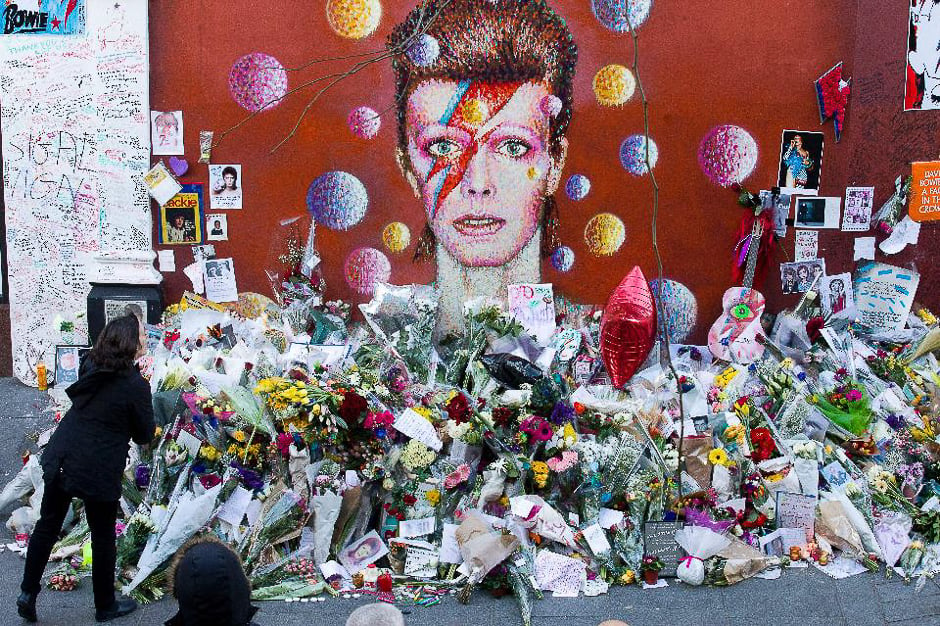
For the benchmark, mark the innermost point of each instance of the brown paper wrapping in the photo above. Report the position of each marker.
(743, 561)
(481, 548)
(695, 450)
(351, 499)
(834, 525)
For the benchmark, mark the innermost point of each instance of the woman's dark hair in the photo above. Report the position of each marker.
(117, 344)
(228, 169)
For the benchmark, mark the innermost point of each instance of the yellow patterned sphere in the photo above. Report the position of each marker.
(354, 19)
(613, 85)
(396, 237)
(604, 234)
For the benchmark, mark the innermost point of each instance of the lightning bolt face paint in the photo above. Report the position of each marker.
(480, 154)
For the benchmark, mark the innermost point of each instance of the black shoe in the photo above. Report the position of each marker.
(118, 609)
(26, 606)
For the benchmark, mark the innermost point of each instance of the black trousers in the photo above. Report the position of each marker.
(101, 518)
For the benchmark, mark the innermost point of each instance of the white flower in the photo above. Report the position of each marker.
(381, 390)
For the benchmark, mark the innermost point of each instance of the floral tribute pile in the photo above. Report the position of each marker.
(338, 455)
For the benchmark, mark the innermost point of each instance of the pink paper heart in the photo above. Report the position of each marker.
(178, 165)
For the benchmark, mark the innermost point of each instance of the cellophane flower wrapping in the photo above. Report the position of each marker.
(700, 543)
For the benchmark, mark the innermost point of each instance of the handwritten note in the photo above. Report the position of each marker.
(236, 506)
(807, 245)
(450, 550)
(795, 510)
(659, 539)
(864, 248)
(411, 424)
(421, 562)
(884, 296)
(533, 306)
(416, 527)
(596, 539)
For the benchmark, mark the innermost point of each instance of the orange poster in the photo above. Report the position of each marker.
(925, 192)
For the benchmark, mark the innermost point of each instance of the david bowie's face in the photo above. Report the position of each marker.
(479, 153)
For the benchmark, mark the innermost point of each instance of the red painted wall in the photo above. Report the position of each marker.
(703, 63)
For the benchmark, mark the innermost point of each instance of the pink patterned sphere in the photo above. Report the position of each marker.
(727, 155)
(364, 122)
(257, 81)
(364, 268)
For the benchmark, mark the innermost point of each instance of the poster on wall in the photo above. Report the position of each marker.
(884, 295)
(220, 280)
(46, 17)
(858, 205)
(166, 132)
(800, 277)
(924, 205)
(922, 80)
(801, 154)
(226, 184)
(216, 227)
(119, 308)
(181, 217)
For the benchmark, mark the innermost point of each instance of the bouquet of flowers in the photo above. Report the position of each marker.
(847, 405)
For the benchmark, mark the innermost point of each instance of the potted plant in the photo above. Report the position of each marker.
(651, 566)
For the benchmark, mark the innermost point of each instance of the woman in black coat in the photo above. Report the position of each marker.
(85, 459)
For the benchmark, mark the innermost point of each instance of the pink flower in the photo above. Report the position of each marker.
(459, 475)
(853, 395)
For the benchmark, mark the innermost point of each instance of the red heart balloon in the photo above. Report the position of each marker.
(628, 327)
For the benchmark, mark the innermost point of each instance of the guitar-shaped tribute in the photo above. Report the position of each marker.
(733, 337)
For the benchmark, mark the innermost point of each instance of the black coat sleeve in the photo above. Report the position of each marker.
(143, 426)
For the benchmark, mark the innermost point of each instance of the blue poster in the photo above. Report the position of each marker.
(46, 17)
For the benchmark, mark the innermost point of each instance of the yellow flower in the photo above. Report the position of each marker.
(733, 432)
(423, 411)
(718, 457)
(569, 435)
(628, 577)
(433, 496)
(208, 452)
(158, 432)
(239, 436)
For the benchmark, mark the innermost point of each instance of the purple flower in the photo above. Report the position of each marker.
(142, 475)
(897, 422)
(251, 479)
(561, 414)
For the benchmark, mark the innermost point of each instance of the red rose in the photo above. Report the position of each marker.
(409, 499)
(813, 328)
(352, 407)
(458, 409)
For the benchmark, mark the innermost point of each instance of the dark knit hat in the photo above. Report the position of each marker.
(210, 586)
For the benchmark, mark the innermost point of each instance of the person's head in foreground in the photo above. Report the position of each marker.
(209, 583)
(378, 614)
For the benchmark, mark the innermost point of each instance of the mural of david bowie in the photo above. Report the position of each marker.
(481, 141)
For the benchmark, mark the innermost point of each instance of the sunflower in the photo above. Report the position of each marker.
(718, 457)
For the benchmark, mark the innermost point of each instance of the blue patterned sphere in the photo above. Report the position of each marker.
(563, 259)
(337, 200)
(680, 307)
(424, 51)
(578, 187)
(633, 154)
(613, 13)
